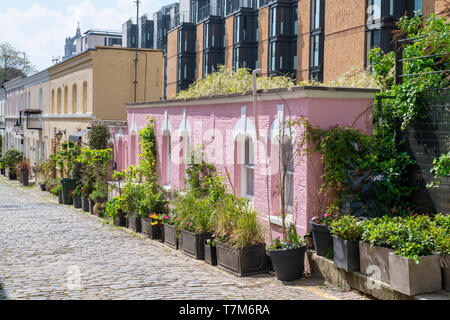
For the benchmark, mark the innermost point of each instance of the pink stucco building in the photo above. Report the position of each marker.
(227, 128)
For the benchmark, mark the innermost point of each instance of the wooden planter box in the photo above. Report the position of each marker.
(120, 220)
(193, 244)
(85, 204)
(170, 236)
(210, 254)
(77, 202)
(374, 261)
(134, 223)
(153, 232)
(346, 254)
(244, 261)
(412, 279)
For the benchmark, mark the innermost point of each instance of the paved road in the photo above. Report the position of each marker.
(50, 251)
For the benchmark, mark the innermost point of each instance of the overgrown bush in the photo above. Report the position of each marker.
(98, 136)
(347, 228)
(11, 158)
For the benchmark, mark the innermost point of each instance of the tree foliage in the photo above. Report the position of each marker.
(13, 63)
(98, 137)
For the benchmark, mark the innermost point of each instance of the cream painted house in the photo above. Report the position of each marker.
(95, 85)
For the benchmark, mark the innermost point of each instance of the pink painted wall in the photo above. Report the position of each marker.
(224, 117)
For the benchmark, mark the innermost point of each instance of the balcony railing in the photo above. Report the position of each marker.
(178, 19)
(209, 10)
(234, 5)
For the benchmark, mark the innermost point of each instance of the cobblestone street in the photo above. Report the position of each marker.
(43, 244)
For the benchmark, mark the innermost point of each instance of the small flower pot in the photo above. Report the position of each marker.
(210, 254)
(242, 261)
(43, 187)
(170, 236)
(412, 279)
(120, 220)
(346, 254)
(134, 222)
(77, 203)
(289, 265)
(374, 261)
(85, 204)
(321, 238)
(445, 268)
(152, 231)
(192, 243)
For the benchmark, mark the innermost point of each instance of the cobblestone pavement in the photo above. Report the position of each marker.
(44, 244)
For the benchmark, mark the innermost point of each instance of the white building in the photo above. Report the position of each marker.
(96, 37)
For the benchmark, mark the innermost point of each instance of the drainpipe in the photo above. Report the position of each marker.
(255, 107)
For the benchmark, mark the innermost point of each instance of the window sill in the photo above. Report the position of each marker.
(277, 220)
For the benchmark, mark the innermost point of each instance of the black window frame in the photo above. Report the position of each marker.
(245, 47)
(317, 36)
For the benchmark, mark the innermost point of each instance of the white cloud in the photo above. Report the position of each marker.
(41, 31)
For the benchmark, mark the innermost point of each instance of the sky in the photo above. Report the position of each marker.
(40, 27)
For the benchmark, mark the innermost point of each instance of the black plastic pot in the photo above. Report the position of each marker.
(321, 238)
(134, 223)
(85, 204)
(68, 185)
(346, 254)
(153, 232)
(77, 203)
(170, 236)
(43, 187)
(243, 261)
(289, 265)
(120, 220)
(25, 177)
(12, 175)
(210, 254)
(3, 171)
(192, 243)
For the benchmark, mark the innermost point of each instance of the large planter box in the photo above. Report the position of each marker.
(170, 236)
(321, 238)
(412, 279)
(445, 268)
(134, 223)
(193, 244)
(85, 204)
(77, 203)
(25, 177)
(289, 265)
(374, 261)
(67, 185)
(153, 232)
(120, 220)
(346, 254)
(244, 261)
(210, 254)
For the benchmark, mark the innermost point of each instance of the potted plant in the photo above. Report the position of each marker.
(170, 236)
(151, 206)
(347, 231)
(113, 211)
(12, 158)
(23, 168)
(441, 234)
(2, 165)
(76, 196)
(239, 238)
(85, 198)
(195, 223)
(323, 242)
(288, 256)
(210, 252)
(152, 225)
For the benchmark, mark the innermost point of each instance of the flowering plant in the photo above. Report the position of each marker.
(292, 241)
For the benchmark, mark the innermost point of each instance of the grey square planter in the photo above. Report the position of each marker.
(77, 202)
(192, 244)
(412, 279)
(153, 232)
(134, 223)
(445, 268)
(170, 236)
(346, 254)
(244, 261)
(374, 261)
(120, 220)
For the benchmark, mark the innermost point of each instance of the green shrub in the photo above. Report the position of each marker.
(112, 207)
(98, 136)
(12, 158)
(347, 228)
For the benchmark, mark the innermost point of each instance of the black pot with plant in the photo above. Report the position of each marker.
(288, 256)
(210, 252)
(323, 243)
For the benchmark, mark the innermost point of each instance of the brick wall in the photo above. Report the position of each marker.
(263, 40)
(172, 63)
(430, 6)
(344, 37)
(229, 42)
(304, 9)
(199, 58)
